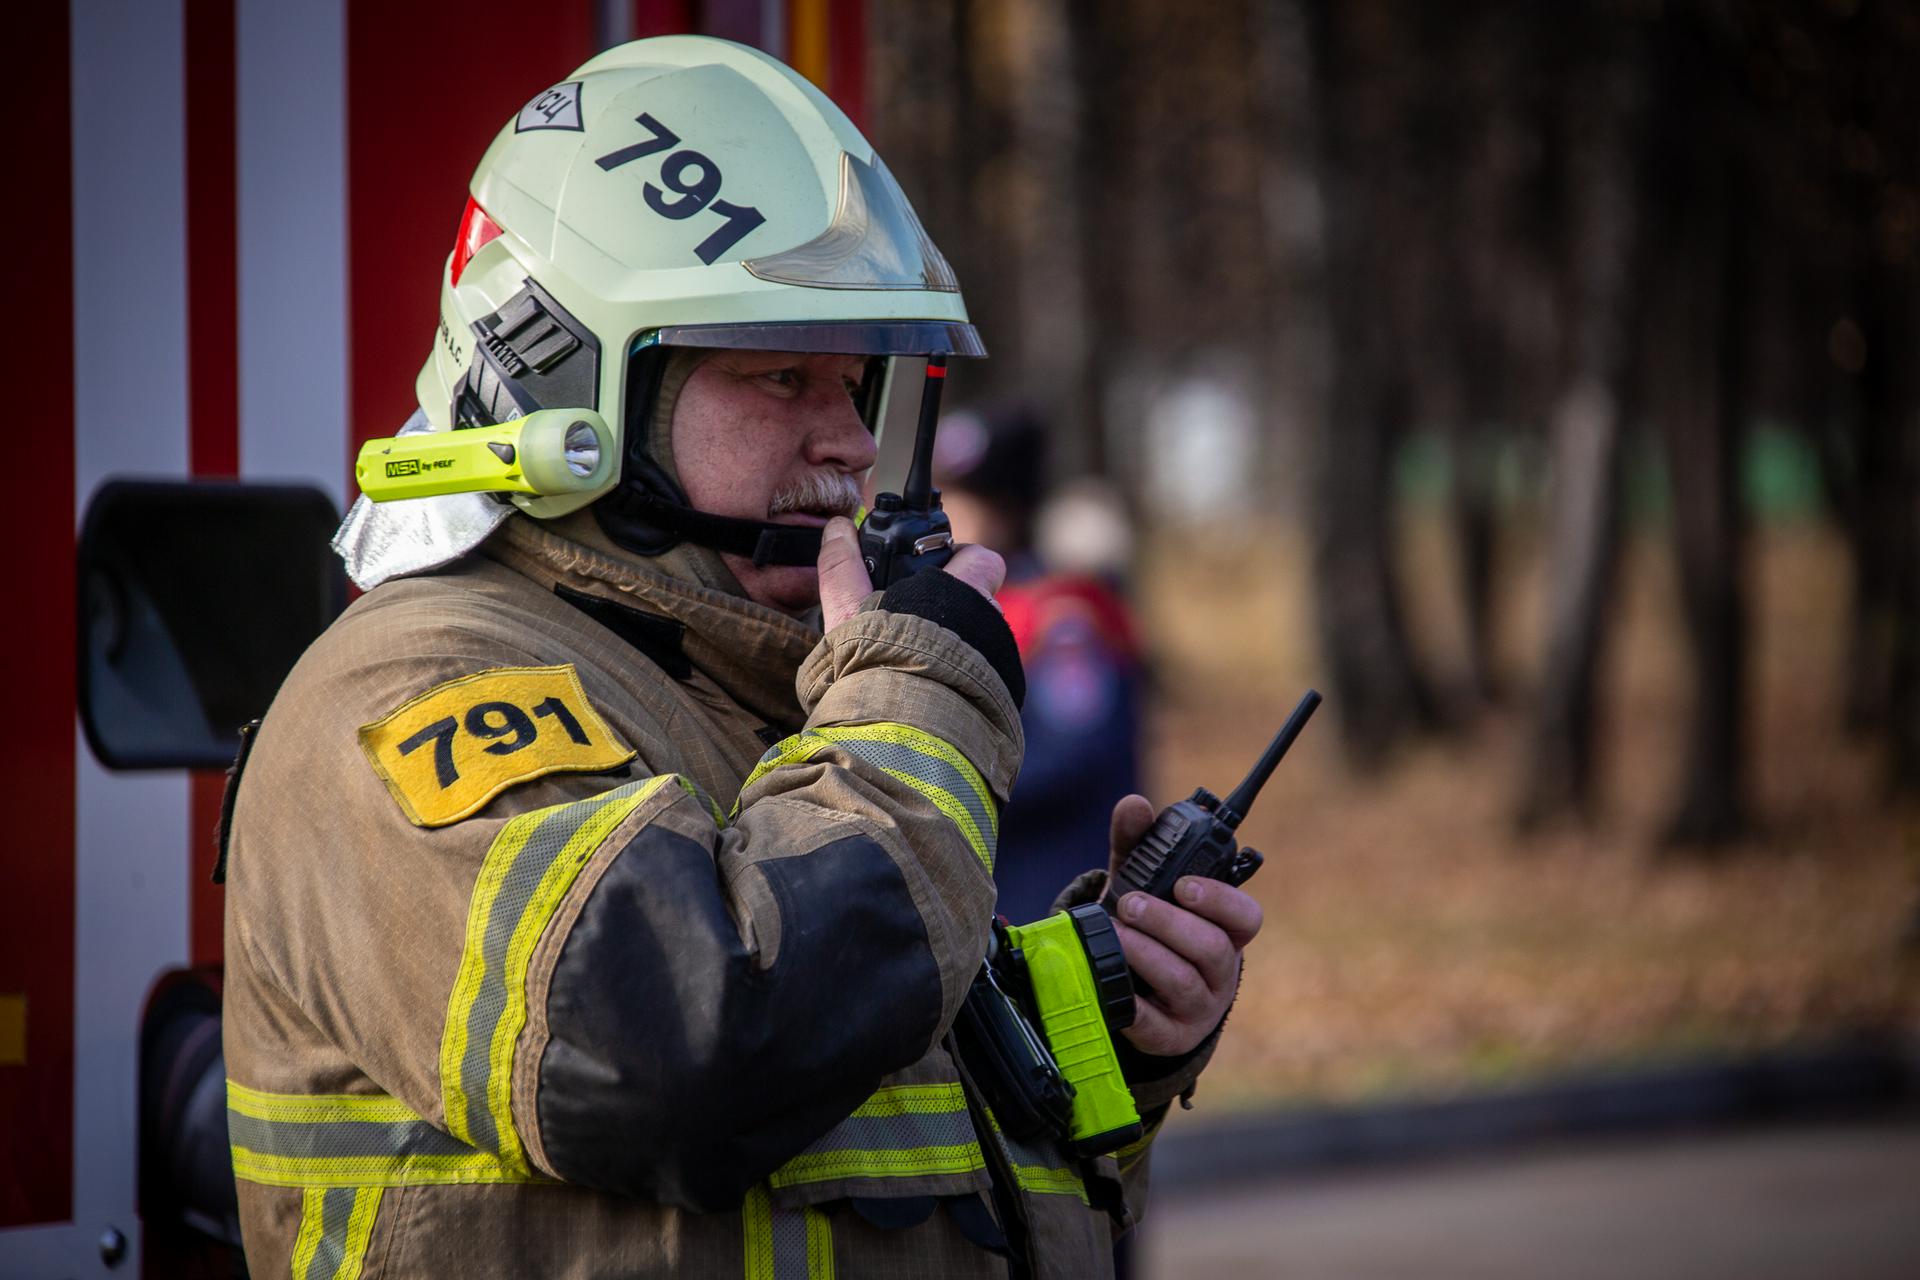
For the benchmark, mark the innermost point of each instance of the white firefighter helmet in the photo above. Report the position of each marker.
(678, 191)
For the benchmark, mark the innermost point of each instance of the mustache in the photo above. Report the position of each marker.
(830, 493)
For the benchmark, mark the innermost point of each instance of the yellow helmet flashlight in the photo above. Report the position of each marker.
(551, 451)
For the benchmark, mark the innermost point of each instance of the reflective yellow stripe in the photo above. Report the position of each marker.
(386, 1171)
(1039, 1166)
(756, 1226)
(927, 764)
(920, 740)
(692, 788)
(1126, 1157)
(946, 804)
(317, 1107)
(912, 1131)
(312, 1208)
(901, 1131)
(909, 1162)
(1049, 1182)
(784, 1244)
(366, 1207)
(801, 746)
(940, 773)
(914, 1099)
(335, 1226)
(819, 1246)
(532, 863)
(320, 1141)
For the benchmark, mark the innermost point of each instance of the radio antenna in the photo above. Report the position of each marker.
(1235, 806)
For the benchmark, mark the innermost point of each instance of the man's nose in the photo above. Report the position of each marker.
(836, 437)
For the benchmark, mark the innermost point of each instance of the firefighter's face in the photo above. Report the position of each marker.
(771, 435)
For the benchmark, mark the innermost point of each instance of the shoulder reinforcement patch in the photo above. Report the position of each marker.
(446, 753)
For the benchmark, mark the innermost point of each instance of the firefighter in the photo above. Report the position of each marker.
(591, 912)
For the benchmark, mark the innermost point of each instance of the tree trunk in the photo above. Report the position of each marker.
(1375, 686)
(1895, 513)
(1703, 446)
(1604, 249)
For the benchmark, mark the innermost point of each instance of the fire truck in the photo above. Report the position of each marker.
(227, 232)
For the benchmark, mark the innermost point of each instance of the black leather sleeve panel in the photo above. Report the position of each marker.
(679, 1071)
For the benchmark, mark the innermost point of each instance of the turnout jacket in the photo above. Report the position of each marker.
(570, 933)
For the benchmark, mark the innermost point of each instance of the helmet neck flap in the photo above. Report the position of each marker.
(648, 512)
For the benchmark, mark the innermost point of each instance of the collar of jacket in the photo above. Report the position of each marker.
(749, 651)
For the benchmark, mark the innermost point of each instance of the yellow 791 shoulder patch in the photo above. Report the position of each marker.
(446, 753)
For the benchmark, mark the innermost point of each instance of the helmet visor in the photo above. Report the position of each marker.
(850, 338)
(875, 241)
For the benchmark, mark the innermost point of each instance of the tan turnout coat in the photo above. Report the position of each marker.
(571, 943)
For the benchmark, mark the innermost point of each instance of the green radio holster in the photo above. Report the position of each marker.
(1036, 1031)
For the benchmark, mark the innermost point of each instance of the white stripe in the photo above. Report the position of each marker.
(773, 28)
(130, 417)
(290, 85)
(129, 242)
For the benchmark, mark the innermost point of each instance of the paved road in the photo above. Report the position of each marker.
(1837, 1201)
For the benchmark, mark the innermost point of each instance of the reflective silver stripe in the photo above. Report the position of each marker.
(335, 1226)
(514, 896)
(932, 769)
(902, 1131)
(503, 916)
(931, 766)
(347, 1141)
(1042, 1168)
(892, 747)
(895, 1133)
(789, 1232)
(784, 1244)
(326, 1140)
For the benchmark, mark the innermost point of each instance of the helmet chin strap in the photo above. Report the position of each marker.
(647, 512)
(761, 541)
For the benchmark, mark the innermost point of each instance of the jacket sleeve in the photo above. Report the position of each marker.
(715, 991)
(1154, 1082)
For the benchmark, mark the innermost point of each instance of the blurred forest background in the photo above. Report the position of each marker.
(1538, 380)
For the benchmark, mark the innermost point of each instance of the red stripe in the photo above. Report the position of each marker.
(213, 379)
(407, 175)
(213, 389)
(663, 17)
(738, 20)
(37, 768)
(847, 59)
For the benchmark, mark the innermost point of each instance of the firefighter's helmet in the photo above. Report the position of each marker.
(673, 192)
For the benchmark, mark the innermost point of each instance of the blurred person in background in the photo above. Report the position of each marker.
(1065, 553)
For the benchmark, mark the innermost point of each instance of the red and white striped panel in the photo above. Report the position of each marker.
(227, 265)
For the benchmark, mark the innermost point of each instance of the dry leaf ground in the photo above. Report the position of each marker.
(1417, 943)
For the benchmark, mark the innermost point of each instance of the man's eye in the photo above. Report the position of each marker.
(782, 377)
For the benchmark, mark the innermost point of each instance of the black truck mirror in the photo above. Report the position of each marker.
(195, 599)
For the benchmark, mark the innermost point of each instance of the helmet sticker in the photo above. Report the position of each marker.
(557, 108)
(695, 180)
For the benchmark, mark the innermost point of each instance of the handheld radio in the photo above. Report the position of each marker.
(906, 533)
(1195, 836)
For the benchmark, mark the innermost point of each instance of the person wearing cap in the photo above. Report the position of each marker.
(603, 884)
(1079, 651)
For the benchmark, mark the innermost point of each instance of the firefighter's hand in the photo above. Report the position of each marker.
(1189, 954)
(843, 574)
